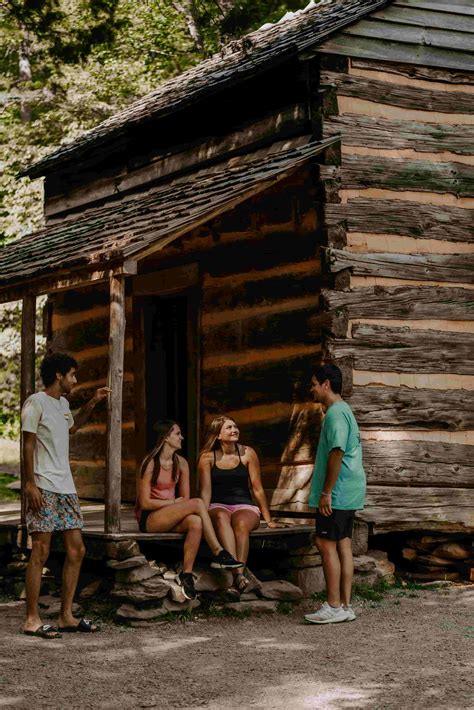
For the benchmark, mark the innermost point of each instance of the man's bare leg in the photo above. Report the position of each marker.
(39, 554)
(344, 550)
(75, 552)
(331, 569)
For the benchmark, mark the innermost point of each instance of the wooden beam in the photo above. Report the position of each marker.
(376, 347)
(66, 280)
(403, 217)
(27, 376)
(409, 408)
(373, 132)
(385, 92)
(360, 171)
(458, 268)
(420, 303)
(113, 482)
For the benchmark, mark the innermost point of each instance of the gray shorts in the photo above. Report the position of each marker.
(60, 511)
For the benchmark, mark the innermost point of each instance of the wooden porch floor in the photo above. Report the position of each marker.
(94, 526)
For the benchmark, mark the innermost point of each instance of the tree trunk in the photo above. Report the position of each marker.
(187, 9)
(24, 71)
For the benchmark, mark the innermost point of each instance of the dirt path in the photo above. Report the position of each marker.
(407, 652)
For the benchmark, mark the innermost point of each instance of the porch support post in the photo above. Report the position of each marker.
(27, 371)
(113, 474)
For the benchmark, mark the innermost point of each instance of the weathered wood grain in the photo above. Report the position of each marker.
(406, 350)
(27, 371)
(91, 444)
(265, 382)
(114, 405)
(371, 132)
(420, 464)
(360, 171)
(420, 303)
(456, 267)
(260, 331)
(411, 219)
(391, 505)
(256, 290)
(399, 95)
(414, 71)
(403, 407)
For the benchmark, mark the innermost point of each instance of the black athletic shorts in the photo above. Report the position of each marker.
(335, 526)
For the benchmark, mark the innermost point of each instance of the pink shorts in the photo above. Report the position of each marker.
(234, 508)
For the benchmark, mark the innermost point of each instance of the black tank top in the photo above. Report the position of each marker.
(230, 485)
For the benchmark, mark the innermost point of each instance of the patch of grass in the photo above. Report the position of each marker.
(286, 608)
(7, 495)
(318, 596)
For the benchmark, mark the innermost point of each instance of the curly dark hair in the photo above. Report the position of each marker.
(331, 373)
(53, 363)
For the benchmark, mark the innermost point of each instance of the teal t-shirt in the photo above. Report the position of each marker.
(340, 431)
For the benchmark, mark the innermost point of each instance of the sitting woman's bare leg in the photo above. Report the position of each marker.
(167, 518)
(192, 527)
(222, 524)
(243, 522)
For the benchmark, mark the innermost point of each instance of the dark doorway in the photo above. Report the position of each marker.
(166, 349)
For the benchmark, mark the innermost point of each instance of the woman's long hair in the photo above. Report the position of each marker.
(212, 435)
(162, 428)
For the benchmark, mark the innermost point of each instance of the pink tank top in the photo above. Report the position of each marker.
(164, 488)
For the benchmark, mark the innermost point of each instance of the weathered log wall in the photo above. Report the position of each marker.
(399, 218)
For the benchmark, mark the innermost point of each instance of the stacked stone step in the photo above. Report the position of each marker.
(147, 590)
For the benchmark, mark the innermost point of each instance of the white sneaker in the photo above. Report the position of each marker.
(327, 615)
(351, 615)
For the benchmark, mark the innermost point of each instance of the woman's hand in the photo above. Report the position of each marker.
(273, 524)
(176, 500)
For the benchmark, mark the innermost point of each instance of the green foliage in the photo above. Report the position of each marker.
(6, 495)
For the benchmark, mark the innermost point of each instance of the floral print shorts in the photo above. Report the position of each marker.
(59, 512)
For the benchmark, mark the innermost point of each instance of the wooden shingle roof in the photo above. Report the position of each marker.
(238, 61)
(126, 229)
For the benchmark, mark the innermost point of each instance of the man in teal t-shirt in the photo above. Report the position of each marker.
(337, 491)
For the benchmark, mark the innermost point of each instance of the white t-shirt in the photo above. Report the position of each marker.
(50, 419)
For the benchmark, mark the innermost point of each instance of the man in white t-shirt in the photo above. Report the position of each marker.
(52, 504)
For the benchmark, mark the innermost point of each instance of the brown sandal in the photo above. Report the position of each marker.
(241, 583)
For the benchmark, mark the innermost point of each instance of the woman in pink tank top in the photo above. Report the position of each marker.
(163, 504)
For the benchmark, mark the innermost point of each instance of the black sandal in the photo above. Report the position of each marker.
(85, 626)
(45, 631)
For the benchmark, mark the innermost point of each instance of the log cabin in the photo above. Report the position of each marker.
(306, 194)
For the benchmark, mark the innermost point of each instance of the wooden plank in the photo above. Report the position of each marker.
(371, 132)
(114, 405)
(406, 408)
(166, 281)
(419, 463)
(411, 219)
(415, 72)
(65, 280)
(461, 7)
(261, 331)
(378, 348)
(369, 48)
(403, 302)
(194, 406)
(385, 92)
(458, 268)
(398, 31)
(27, 372)
(394, 504)
(360, 171)
(412, 15)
